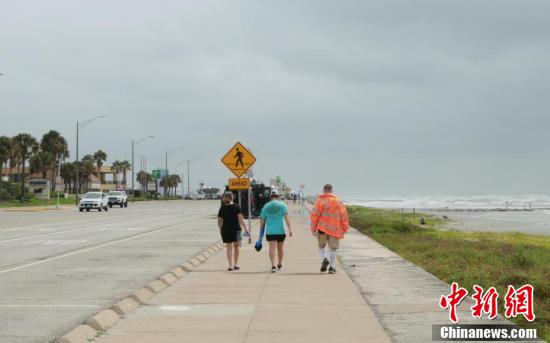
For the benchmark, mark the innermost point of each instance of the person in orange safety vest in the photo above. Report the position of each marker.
(329, 222)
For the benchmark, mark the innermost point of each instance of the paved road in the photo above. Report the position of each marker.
(57, 268)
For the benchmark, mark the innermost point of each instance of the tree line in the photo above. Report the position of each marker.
(49, 157)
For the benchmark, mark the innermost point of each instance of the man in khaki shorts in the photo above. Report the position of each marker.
(329, 222)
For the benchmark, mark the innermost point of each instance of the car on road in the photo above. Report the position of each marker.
(94, 201)
(118, 198)
(200, 196)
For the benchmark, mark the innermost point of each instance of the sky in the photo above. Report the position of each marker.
(376, 97)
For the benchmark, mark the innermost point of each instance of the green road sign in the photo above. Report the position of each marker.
(159, 174)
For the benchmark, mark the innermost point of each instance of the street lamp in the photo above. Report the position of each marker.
(167, 173)
(188, 162)
(133, 172)
(182, 183)
(78, 127)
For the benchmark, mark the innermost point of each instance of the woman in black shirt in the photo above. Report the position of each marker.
(230, 222)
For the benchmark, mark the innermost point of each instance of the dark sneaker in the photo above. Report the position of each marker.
(279, 267)
(237, 268)
(229, 269)
(324, 265)
(331, 270)
(273, 269)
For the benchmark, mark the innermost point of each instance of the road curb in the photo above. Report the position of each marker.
(80, 334)
(103, 320)
(125, 306)
(201, 258)
(178, 272)
(156, 286)
(142, 296)
(195, 262)
(187, 267)
(168, 279)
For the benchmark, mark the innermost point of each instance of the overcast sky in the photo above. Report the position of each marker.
(376, 97)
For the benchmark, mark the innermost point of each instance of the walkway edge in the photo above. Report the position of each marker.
(107, 318)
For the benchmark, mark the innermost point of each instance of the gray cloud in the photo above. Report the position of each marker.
(386, 97)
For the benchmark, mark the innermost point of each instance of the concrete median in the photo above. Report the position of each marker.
(80, 334)
(168, 279)
(142, 295)
(103, 320)
(156, 286)
(178, 272)
(125, 306)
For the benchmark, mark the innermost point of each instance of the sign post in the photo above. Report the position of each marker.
(239, 160)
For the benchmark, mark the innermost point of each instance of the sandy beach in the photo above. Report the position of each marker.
(530, 222)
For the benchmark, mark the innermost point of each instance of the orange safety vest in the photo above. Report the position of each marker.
(330, 216)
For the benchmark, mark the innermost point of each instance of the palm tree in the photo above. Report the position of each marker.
(68, 173)
(99, 157)
(5, 147)
(144, 178)
(41, 162)
(57, 146)
(116, 168)
(13, 156)
(125, 166)
(85, 171)
(26, 145)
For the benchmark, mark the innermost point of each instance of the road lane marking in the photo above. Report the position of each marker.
(47, 305)
(56, 242)
(71, 230)
(171, 227)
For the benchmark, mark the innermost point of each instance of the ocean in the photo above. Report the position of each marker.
(456, 202)
(526, 213)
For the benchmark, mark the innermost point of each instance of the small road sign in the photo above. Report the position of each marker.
(238, 159)
(238, 184)
(160, 174)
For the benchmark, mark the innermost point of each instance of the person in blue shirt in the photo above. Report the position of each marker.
(272, 216)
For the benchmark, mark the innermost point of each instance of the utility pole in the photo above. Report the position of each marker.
(133, 169)
(166, 165)
(188, 162)
(77, 182)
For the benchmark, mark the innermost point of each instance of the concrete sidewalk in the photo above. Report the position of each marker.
(298, 304)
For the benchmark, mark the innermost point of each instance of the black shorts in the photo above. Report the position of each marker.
(276, 238)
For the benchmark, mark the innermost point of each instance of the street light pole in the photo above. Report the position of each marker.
(181, 178)
(77, 182)
(133, 169)
(167, 173)
(188, 162)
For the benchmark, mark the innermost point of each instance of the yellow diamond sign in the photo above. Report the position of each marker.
(238, 159)
(239, 184)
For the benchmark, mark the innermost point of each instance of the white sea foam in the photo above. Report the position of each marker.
(483, 201)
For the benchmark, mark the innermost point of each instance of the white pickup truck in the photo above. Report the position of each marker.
(94, 201)
(118, 198)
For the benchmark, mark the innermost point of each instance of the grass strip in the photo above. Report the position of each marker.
(488, 259)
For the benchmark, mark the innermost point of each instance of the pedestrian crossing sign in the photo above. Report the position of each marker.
(238, 159)
(240, 184)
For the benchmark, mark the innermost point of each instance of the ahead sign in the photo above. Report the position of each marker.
(238, 184)
(238, 159)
